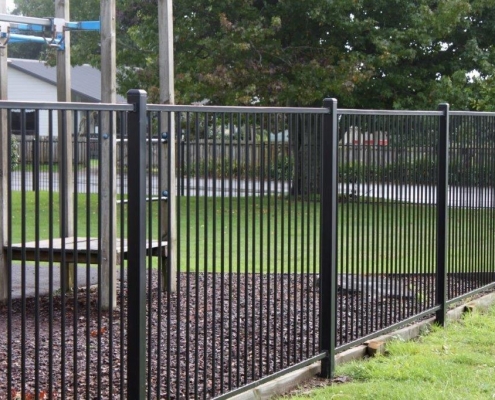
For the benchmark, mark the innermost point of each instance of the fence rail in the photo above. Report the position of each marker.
(200, 263)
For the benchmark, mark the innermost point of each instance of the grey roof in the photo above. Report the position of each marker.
(86, 80)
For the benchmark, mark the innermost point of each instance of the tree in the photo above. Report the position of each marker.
(367, 53)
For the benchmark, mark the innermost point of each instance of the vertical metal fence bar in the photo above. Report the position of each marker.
(328, 261)
(282, 234)
(214, 255)
(353, 205)
(89, 209)
(442, 214)
(136, 329)
(36, 156)
(367, 227)
(100, 228)
(151, 130)
(433, 209)
(8, 239)
(268, 269)
(122, 215)
(63, 215)
(23, 257)
(189, 251)
(37, 265)
(180, 141)
(197, 233)
(239, 249)
(75, 208)
(161, 345)
(299, 230)
(51, 219)
(206, 261)
(316, 211)
(290, 264)
(253, 306)
(305, 305)
(230, 252)
(382, 221)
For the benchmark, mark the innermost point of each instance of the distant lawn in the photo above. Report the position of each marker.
(282, 234)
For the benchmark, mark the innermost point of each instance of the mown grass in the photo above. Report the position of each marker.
(457, 362)
(282, 234)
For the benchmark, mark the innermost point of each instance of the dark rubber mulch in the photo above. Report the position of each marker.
(217, 333)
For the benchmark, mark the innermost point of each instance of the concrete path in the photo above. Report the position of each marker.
(44, 276)
(458, 196)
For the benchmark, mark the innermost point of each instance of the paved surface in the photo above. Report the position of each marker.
(458, 196)
(29, 276)
(192, 186)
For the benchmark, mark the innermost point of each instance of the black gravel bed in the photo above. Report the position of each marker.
(215, 334)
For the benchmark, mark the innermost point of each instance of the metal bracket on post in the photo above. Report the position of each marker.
(328, 245)
(4, 33)
(136, 239)
(58, 28)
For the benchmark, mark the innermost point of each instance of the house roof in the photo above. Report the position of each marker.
(86, 80)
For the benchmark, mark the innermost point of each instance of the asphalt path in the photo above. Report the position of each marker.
(30, 274)
(458, 196)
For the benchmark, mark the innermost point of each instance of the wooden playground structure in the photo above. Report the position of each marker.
(107, 249)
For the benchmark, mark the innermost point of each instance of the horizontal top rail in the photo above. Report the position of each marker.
(7, 104)
(345, 111)
(235, 109)
(473, 113)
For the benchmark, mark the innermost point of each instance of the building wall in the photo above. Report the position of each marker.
(24, 87)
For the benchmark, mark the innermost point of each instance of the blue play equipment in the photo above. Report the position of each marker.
(19, 29)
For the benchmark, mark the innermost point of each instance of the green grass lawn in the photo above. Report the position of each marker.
(282, 234)
(457, 362)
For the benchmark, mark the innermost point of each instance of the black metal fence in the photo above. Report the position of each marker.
(188, 281)
(199, 251)
(414, 212)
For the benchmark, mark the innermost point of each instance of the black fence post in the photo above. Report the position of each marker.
(442, 214)
(328, 245)
(136, 236)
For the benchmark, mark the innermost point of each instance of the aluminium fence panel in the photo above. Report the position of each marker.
(247, 252)
(471, 203)
(246, 304)
(387, 189)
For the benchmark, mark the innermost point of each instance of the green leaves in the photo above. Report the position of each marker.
(367, 53)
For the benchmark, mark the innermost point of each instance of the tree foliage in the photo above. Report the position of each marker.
(366, 53)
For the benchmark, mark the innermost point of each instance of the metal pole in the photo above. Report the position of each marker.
(328, 249)
(4, 156)
(442, 214)
(136, 236)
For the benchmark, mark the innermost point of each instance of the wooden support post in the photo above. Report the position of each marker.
(167, 163)
(109, 156)
(4, 171)
(65, 171)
